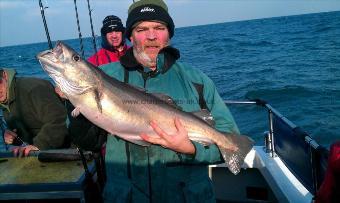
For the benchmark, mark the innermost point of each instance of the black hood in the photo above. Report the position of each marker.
(171, 55)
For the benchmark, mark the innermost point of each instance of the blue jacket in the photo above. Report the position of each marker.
(136, 173)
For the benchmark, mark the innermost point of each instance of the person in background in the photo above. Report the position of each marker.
(113, 43)
(34, 114)
(330, 188)
(174, 168)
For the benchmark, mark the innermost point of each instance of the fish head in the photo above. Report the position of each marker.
(72, 74)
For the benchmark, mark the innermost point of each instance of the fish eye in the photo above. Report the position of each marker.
(76, 57)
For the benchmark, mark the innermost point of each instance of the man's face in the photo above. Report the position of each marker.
(148, 38)
(114, 38)
(3, 88)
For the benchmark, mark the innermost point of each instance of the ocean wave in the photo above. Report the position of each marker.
(324, 29)
(229, 40)
(262, 43)
(281, 93)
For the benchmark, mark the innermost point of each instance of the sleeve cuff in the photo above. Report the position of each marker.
(187, 158)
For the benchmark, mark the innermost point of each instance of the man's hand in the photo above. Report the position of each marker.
(178, 142)
(24, 151)
(10, 136)
(59, 92)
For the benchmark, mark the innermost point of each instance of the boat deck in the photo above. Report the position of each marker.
(27, 178)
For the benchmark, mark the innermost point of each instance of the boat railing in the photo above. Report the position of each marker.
(304, 157)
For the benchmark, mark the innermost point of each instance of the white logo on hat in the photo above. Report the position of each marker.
(147, 9)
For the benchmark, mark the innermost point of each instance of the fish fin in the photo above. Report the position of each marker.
(136, 87)
(75, 112)
(205, 141)
(167, 99)
(163, 97)
(234, 156)
(97, 96)
(206, 116)
(140, 142)
(133, 139)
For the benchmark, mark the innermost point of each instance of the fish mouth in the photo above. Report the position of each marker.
(53, 55)
(45, 55)
(52, 61)
(49, 62)
(55, 62)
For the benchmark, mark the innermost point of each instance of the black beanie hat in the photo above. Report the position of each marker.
(148, 10)
(112, 23)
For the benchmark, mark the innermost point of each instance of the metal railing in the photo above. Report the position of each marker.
(282, 136)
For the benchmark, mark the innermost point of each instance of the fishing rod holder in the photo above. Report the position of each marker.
(268, 135)
(267, 142)
(269, 138)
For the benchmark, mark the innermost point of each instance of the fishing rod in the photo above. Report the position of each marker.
(80, 36)
(54, 155)
(42, 8)
(93, 36)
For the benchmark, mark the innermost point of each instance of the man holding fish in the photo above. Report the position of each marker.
(159, 151)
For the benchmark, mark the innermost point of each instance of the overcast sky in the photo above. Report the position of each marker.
(21, 22)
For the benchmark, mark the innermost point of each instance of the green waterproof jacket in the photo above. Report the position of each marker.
(34, 109)
(155, 174)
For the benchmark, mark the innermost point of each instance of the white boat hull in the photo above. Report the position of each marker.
(262, 179)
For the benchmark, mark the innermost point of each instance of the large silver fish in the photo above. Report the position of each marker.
(103, 100)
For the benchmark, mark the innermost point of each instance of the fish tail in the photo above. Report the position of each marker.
(234, 157)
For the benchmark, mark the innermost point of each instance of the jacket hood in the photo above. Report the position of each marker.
(165, 59)
(10, 88)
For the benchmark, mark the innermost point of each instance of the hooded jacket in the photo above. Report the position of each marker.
(155, 174)
(35, 111)
(105, 56)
